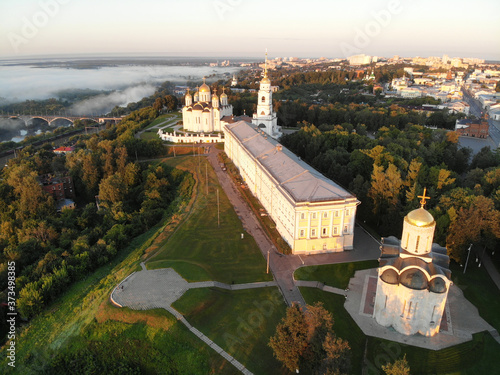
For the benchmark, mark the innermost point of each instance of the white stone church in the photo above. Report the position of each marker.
(204, 112)
(207, 113)
(413, 278)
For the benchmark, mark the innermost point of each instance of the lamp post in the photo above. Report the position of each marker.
(465, 268)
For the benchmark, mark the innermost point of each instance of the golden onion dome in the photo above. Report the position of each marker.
(204, 88)
(420, 217)
(266, 80)
(223, 95)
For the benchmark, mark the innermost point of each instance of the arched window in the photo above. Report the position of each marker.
(263, 99)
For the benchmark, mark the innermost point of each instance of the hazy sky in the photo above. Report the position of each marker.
(227, 28)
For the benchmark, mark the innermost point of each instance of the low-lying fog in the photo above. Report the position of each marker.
(129, 82)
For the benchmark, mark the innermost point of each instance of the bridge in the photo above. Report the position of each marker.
(51, 118)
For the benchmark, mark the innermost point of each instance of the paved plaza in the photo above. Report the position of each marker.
(152, 289)
(460, 322)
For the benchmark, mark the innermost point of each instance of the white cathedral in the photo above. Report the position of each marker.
(206, 113)
(414, 278)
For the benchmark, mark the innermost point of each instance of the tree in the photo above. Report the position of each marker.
(305, 340)
(112, 190)
(478, 222)
(385, 187)
(290, 339)
(400, 367)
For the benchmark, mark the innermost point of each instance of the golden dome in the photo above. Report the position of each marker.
(223, 95)
(266, 80)
(420, 217)
(204, 88)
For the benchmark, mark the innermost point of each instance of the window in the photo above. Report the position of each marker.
(325, 215)
(314, 216)
(335, 230)
(313, 232)
(302, 216)
(263, 99)
(302, 233)
(347, 212)
(346, 229)
(324, 232)
(336, 214)
(416, 246)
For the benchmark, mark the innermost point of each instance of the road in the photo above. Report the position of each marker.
(283, 266)
(477, 110)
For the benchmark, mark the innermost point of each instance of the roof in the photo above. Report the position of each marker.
(298, 179)
(420, 217)
(435, 263)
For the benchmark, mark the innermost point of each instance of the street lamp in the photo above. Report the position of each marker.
(467, 261)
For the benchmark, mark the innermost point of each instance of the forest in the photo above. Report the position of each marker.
(117, 198)
(389, 172)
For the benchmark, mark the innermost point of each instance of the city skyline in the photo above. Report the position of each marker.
(238, 28)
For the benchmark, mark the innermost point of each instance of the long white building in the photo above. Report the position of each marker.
(312, 213)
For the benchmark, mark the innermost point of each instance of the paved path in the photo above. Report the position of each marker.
(280, 265)
(164, 124)
(152, 289)
(283, 266)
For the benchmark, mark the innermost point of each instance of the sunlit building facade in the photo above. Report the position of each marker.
(312, 213)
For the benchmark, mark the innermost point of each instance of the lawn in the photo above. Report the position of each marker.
(479, 289)
(149, 135)
(69, 325)
(241, 322)
(336, 275)
(164, 118)
(200, 249)
(139, 348)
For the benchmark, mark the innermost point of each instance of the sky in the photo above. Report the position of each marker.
(245, 28)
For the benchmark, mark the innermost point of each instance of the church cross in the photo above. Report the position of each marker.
(424, 198)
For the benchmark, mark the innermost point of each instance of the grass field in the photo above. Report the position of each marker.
(164, 118)
(200, 249)
(479, 289)
(241, 322)
(336, 275)
(69, 325)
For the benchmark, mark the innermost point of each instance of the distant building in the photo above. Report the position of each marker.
(312, 213)
(58, 187)
(360, 60)
(413, 278)
(473, 128)
(63, 150)
(234, 82)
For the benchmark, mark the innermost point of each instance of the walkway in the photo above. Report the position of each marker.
(283, 266)
(164, 124)
(152, 289)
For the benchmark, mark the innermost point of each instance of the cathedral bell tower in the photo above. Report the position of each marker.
(265, 118)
